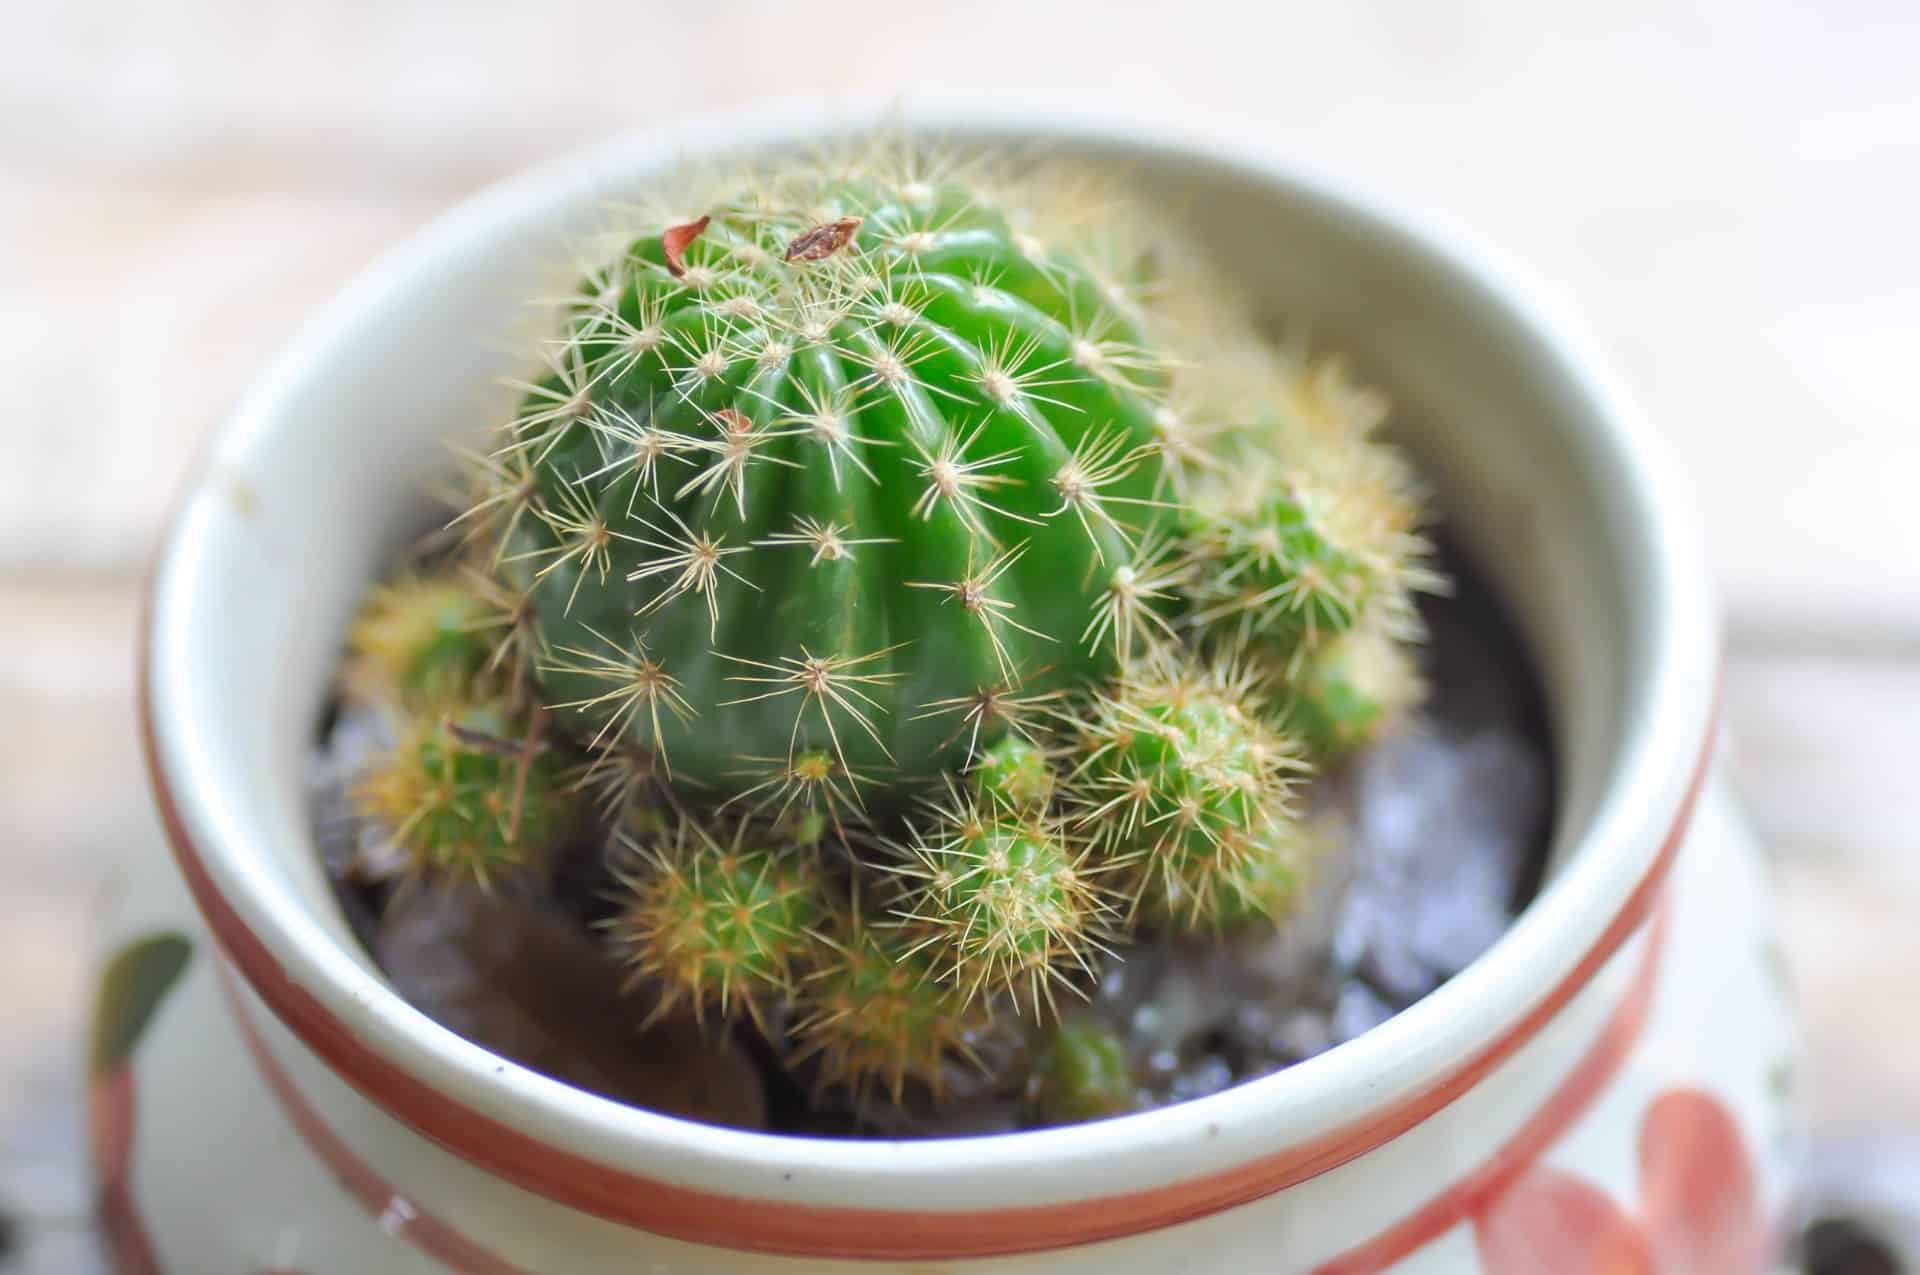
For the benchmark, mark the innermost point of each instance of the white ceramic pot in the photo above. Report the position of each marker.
(1601, 1090)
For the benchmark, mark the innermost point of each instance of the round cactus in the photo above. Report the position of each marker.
(1006, 898)
(467, 794)
(423, 638)
(1346, 689)
(1014, 772)
(874, 1011)
(1306, 525)
(1276, 559)
(844, 446)
(1178, 771)
(723, 924)
(1081, 1072)
(1264, 876)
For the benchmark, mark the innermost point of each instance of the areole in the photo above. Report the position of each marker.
(1560, 482)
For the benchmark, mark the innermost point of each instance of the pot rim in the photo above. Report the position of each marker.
(1153, 1168)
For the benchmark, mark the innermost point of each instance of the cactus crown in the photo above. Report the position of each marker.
(939, 580)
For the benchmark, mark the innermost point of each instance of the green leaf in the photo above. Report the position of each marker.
(131, 989)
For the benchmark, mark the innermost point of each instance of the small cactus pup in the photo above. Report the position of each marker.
(1081, 1072)
(1006, 899)
(913, 587)
(1348, 688)
(874, 1013)
(422, 638)
(1312, 523)
(1185, 787)
(1016, 773)
(468, 794)
(724, 920)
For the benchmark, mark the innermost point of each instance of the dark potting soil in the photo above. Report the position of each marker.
(1445, 825)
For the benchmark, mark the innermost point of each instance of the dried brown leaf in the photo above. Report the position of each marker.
(481, 741)
(675, 240)
(823, 240)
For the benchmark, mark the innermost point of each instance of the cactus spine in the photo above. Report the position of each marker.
(1005, 896)
(422, 639)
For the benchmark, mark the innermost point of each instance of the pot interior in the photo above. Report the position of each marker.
(340, 486)
(319, 478)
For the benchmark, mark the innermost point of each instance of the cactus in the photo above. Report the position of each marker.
(1180, 776)
(1006, 898)
(468, 794)
(885, 527)
(848, 444)
(1349, 688)
(422, 638)
(1277, 559)
(1081, 1072)
(724, 924)
(1306, 526)
(875, 1010)
(1014, 772)
(1267, 875)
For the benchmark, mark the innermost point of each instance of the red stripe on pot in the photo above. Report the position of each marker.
(807, 1230)
(392, 1211)
(1585, 1083)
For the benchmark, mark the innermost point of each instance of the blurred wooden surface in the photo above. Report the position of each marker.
(1724, 192)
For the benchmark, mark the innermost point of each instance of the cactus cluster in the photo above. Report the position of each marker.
(925, 579)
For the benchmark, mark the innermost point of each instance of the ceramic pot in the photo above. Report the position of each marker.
(1601, 1090)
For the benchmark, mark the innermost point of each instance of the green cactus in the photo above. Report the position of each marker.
(1265, 878)
(877, 485)
(849, 444)
(422, 638)
(1014, 772)
(1006, 898)
(723, 921)
(1276, 558)
(875, 1011)
(1348, 688)
(468, 794)
(1081, 1072)
(1179, 770)
(1306, 526)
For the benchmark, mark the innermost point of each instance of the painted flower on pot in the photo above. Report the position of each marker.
(1698, 1210)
